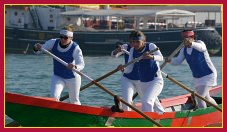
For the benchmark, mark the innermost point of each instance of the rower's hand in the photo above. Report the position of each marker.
(37, 47)
(71, 66)
(120, 67)
(147, 55)
(167, 59)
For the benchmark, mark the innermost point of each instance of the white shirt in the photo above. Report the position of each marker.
(209, 80)
(77, 53)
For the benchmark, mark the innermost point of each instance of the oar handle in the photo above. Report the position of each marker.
(103, 88)
(189, 90)
(55, 57)
(65, 64)
(173, 54)
(139, 58)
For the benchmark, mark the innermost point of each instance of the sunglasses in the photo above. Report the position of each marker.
(64, 37)
(135, 41)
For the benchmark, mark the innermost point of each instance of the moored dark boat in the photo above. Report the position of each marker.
(45, 112)
(104, 42)
(219, 29)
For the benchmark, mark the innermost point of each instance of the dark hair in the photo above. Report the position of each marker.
(131, 34)
(186, 30)
(138, 34)
(118, 44)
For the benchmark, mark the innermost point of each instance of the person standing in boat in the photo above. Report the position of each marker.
(151, 81)
(203, 71)
(130, 81)
(69, 51)
(121, 49)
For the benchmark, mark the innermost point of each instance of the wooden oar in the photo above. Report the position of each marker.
(165, 62)
(108, 74)
(172, 55)
(189, 90)
(25, 52)
(102, 87)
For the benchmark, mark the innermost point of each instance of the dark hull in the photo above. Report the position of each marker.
(103, 42)
(219, 29)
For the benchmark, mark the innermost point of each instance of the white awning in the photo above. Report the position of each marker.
(175, 12)
(165, 14)
(131, 12)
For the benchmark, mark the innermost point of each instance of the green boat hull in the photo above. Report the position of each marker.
(45, 117)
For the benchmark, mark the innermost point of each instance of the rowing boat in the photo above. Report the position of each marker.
(31, 111)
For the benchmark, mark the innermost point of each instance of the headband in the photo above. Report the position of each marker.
(66, 33)
(187, 34)
(137, 38)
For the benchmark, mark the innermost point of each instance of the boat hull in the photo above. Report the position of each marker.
(219, 29)
(45, 117)
(45, 112)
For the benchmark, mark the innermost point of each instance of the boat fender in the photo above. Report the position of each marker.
(117, 107)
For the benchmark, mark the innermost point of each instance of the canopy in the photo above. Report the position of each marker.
(175, 12)
(130, 12)
(166, 14)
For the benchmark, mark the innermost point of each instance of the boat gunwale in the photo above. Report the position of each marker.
(94, 110)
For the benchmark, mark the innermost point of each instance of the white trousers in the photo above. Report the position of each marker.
(150, 92)
(203, 90)
(73, 85)
(128, 88)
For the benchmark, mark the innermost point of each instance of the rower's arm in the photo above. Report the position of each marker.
(199, 45)
(179, 59)
(157, 54)
(48, 45)
(116, 54)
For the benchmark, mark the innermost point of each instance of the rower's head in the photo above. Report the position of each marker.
(138, 40)
(188, 34)
(66, 34)
(118, 44)
(130, 37)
